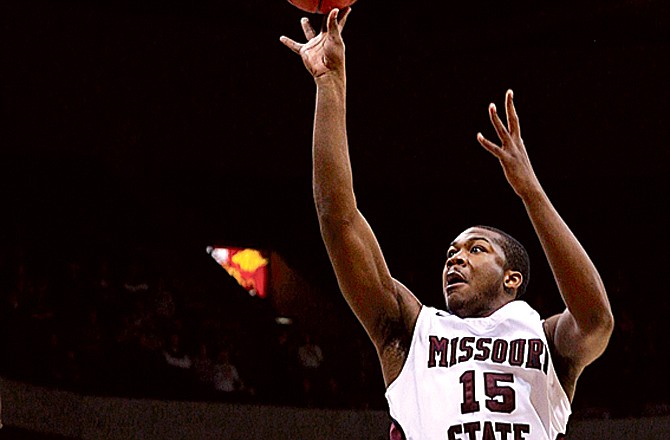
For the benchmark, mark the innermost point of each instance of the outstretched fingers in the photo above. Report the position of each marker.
(509, 135)
(344, 15)
(293, 45)
(332, 26)
(512, 117)
(489, 146)
(503, 134)
(307, 28)
(336, 20)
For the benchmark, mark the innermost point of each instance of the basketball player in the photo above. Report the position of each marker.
(488, 367)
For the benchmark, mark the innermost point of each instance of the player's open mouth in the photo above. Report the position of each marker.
(454, 279)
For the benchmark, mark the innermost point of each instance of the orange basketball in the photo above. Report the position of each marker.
(321, 6)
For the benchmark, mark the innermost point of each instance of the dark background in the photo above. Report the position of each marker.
(180, 124)
(185, 123)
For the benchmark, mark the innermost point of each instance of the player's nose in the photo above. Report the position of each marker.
(456, 259)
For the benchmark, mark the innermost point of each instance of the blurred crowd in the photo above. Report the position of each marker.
(131, 324)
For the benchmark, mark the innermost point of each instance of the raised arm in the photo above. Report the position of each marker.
(580, 334)
(386, 308)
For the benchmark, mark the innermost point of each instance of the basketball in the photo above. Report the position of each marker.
(321, 6)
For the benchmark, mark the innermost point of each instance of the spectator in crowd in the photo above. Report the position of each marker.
(311, 359)
(227, 380)
(178, 365)
(284, 385)
(164, 303)
(203, 371)
(135, 282)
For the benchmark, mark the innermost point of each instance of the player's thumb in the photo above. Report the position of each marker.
(331, 26)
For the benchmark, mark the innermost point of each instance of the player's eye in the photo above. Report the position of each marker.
(451, 253)
(476, 249)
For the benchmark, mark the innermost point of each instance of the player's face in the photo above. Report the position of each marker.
(473, 274)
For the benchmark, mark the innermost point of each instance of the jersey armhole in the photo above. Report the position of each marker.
(424, 311)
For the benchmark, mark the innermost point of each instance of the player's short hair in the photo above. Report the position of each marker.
(516, 256)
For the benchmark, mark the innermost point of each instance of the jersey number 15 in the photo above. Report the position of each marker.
(501, 398)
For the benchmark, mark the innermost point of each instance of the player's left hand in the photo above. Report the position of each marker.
(512, 153)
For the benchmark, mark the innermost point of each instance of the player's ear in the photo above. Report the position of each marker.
(513, 279)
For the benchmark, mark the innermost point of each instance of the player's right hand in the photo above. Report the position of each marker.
(323, 54)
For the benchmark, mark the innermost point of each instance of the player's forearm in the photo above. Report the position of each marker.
(577, 278)
(332, 179)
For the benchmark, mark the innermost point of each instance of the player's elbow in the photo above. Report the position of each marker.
(593, 318)
(605, 317)
(607, 321)
(600, 333)
(597, 314)
(601, 322)
(595, 331)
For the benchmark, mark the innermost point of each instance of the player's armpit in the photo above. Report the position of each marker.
(573, 347)
(398, 334)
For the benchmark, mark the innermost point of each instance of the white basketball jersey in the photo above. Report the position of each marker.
(479, 379)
